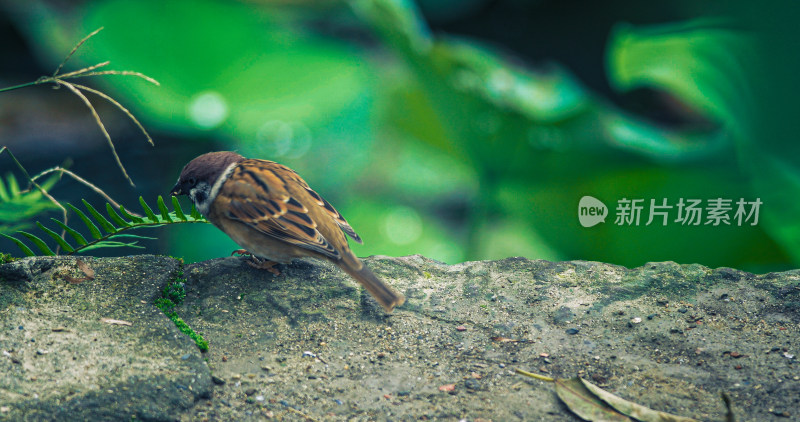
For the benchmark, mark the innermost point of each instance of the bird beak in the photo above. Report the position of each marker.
(176, 190)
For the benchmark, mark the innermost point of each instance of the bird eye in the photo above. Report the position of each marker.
(192, 181)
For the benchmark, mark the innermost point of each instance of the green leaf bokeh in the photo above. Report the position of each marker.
(458, 149)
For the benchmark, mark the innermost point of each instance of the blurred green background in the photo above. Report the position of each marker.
(459, 130)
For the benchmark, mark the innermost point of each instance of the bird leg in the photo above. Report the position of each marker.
(258, 263)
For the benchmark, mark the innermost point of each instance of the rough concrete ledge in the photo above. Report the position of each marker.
(310, 344)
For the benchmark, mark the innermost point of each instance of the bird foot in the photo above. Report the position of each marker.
(258, 263)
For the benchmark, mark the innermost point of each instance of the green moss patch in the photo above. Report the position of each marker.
(173, 295)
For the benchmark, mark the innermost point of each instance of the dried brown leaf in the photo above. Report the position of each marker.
(504, 340)
(87, 271)
(637, 411)
(115, 321)
(74, 280)
(586, 405)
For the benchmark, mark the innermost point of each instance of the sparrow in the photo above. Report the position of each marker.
(271, 212)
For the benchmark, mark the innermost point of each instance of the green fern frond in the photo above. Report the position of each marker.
(107, 226)
(61, 242)
(178, 210)
(163, 208)
(134, 218)
(17, 206)
(39, 243)
(72, 232)
(93, 230)
(116, 226)
(117, 219)
(147, 210)
(25, 249)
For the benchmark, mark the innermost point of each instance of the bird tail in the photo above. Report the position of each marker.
(387, 297)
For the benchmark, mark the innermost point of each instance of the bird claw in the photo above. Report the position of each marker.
(258, 263)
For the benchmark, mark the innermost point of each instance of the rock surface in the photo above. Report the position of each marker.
(310, 345)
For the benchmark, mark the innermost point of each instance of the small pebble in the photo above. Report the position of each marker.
(249, 391)
(572, 331)
(259, 398)
(683, 310)
(447, 387)
(217, 380)
(461, 328)
(472, 384)
(186, 356)
(636, 320)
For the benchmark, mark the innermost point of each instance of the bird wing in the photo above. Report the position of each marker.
(343, 224)
(275, 200)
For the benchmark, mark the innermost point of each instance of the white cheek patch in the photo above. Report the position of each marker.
(202, 191)
(220, 180)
